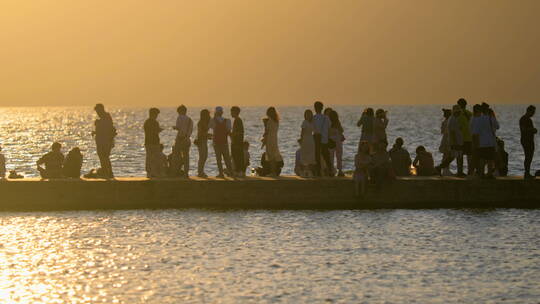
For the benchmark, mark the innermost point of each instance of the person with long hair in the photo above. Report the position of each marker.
(202, 141)
(335, 134)
(307, 143)
(379, 126)
(270, 139)
(366, 123)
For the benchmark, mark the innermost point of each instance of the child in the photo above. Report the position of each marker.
(246, 157)
(2, 165)
(362, 162)
(73, 163)
(423, 162)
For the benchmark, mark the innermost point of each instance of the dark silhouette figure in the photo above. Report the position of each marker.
(465, 122)
(152, 144)
(483, 130)
(528, 131)
(184, 126)
(53, 162)
(73, 163)
(237, 142)
(321, 127)
(366, 122)
(266, 169)
(222, 129)
(381, 170)
(270, 139)
(401, 159)
(104, 136)
(501, 159)
(423, 162)
(202, 141)
(336, 137)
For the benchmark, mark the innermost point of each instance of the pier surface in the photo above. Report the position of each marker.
(287, 192)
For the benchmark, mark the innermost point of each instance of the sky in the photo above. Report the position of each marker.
(202, 53)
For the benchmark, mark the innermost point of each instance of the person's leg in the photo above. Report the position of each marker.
(317, 139)
(237, 151)
(147, 163)
(529, 152)
(326, 156)
(227, 158)
(339, 157)
(459, 160)
(203, 155)
(185, 158)
(219, 153)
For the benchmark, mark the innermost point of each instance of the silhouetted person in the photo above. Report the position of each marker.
(362, 163)
(366, 122)
(184, 126)
(73, 163)
(321, 126)
(2, 164)
(401, 159)
(152, 143)
(423, 162)
(336, 135)
(379, 126)
(104, 136)
(53, 162)
(265, 168)
(307, 143)
(222, 129)
(444, 147)
(528, 131)
(381, 170)
(501, 159)
(475, 158)
(270, 140)
(237, 142)
(464, 124)
(202, 141)
(483, 130)
(174, 163)
(455, 136)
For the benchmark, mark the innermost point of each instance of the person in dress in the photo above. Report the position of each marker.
(184, 126)
(321, 126)
(53, 162)
(379, 127)
(401, 159)
(444, 147)
(104, 135)
(152, 144)
(273, 156)
(423, 162)
(307, 143)
(73, 163)
(237, 142)
(222, 130)
(362, 163)
(337, 137)
(202, 141)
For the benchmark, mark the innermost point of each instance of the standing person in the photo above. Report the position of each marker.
(184, 126)
(362, 163)
(273, 156)
(366, 122)
(237, 142)
(104, 136)
(321, 125)
(475, 158)
(455, 137)
(152, 144)
(307, 143)
(222, 129)
(464, 124)
(444, 147)
(483, 130)
(2, 164)
(401, 159)
(202, 141)
(336, 135)
(528, 131)
(379, 127)
(53, 162)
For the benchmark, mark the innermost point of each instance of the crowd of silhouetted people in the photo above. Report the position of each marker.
(467, 138)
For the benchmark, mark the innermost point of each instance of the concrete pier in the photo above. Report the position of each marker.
(286, 192)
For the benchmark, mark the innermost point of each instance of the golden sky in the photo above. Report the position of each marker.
(258, 52)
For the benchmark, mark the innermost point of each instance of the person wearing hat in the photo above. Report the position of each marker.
(222, 130)
(104, 135)
(152, 144)
(455, 137)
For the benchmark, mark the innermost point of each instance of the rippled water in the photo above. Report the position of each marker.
(402, 256)
(26, 134)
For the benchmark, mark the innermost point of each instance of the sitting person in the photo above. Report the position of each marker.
(163, 170)
(265, 169)
(73, 163)
(401, 160)
(501, 159)
(53, 162)
(362, 162)
(174, 163)
(2, 165)
(381, 171)
(423, 162)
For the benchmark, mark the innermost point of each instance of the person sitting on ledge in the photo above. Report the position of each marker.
(265, 169)
(401, 159)
(381, 172)
(423, 162)
(73, 164)
(53, 162)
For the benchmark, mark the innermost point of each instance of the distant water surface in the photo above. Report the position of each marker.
(173, 256)
(27, 133)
